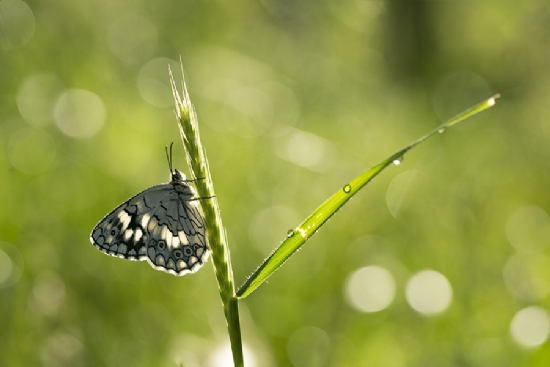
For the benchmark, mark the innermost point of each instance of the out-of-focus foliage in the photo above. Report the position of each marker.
(442, 261)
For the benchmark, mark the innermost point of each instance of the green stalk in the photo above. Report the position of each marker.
(215, 231)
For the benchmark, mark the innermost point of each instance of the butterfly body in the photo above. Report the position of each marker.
(161, 225)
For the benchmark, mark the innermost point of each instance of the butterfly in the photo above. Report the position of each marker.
(162, 225)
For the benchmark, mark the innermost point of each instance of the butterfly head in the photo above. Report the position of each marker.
(178, 176)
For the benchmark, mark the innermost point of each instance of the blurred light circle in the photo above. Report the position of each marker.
(530, 327)
(526, 276)
(11, 265)
(49, 293)
(248, 112)
(61, 349)
(370, 289)
(79, 113)
(306, 150)
(457, 91)
(308, 347)
(16, 24)
(398, 190)
(31, 150)
(429, 292)
(154, 83)
(6, 267)
(132, 38)
(36, 97)
(223, 357)
(528, 229)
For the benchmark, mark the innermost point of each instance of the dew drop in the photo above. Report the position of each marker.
(347, 188)
(441, 131)
(290, 233)
(398, 161)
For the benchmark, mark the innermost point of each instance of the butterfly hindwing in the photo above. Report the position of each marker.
(176, 231)
(162, 225)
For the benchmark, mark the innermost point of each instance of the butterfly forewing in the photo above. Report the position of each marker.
(162, 225)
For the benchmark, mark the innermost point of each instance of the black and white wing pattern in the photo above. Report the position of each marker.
(162, 225)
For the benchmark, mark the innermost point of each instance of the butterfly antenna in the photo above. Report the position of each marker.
(169, 157)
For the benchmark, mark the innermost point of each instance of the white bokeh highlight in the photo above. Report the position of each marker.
(79, 113)
(6, 267)
(36, 97)
(61, 348)
(17, 24)
(222, 356)
(528, 229)
(370, 289)
(429, 292)
(530, 327)
(305, 149)
(11, 265)
(48, 293)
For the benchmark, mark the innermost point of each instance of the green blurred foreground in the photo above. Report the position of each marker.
(441, 261)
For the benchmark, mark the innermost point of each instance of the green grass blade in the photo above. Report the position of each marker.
(217, 239)
(297, 237)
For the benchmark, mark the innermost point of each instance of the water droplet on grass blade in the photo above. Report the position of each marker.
(347, 188)
(441, 130)
(398, 161)
(290, 233)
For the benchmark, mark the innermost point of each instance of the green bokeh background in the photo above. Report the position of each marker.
(294, 98)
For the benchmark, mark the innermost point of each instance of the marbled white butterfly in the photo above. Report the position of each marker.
(162, 225)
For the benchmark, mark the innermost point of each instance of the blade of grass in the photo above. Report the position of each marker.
(217, 239)
(297, 237)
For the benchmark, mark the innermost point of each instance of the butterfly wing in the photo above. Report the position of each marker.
(122, 232)
(176, 234)
(161, 225)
